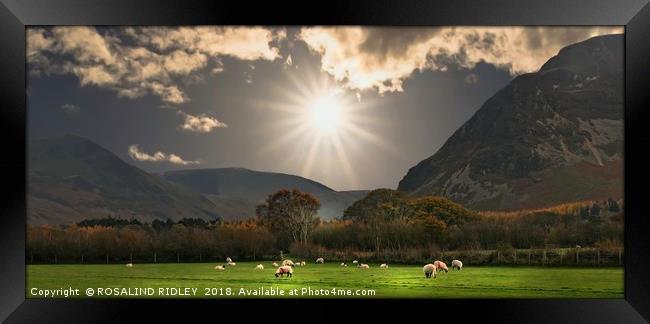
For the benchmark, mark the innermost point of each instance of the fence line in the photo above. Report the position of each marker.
(542, 257)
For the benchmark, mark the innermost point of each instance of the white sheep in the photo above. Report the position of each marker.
(363, 266)
(285, 269)
(320, 260)
(429, 270)
(287, 263)
(457, 264)
(232, 264)
(129, 265)
(355, 262)
(275, 264)
(220, 267)
(259, 267)
(303, 263)
(228, 259)
(384, 266)
(441, 265)
(343, 264)
(297, 264)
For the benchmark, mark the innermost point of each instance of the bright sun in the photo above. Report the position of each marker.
(325, 113)
(323, 124)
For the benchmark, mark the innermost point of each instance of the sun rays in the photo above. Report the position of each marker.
(321, 122)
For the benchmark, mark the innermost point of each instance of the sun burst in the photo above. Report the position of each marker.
(321, 121)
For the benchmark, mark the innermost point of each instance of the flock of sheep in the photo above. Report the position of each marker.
(430, 270)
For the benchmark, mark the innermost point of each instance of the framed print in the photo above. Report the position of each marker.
(418, 156)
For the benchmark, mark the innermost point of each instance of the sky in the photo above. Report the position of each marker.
(350, 107)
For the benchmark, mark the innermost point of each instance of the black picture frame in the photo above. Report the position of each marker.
(16, 14)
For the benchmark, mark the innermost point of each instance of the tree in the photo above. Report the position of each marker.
(379, 203)
(444, 209)
(290, 215)
(376, 211)
(613, 205)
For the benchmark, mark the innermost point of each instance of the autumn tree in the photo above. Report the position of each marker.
(443, 209)
(290, 214)
(378, 205)
(376, 211)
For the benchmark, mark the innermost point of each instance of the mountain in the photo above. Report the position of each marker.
(548, 137)
(71, 178)
(243, 189)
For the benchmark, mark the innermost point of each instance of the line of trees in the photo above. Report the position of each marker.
(385, 225)
(186, 240)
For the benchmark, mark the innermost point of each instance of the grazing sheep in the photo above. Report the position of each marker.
(232, 264)
(275, 264)
(320, 260)
(363, 266)
(384, 266)
(441, 265)
(297, 264)
(220, 267)
(285, 269)
(429, 270)
(355, 261)
(260, 267)
(228, 260)
(287, 263)
(456, 264)
(129, 265)
(303, 263)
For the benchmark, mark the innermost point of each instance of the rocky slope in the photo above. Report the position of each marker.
(548, 137)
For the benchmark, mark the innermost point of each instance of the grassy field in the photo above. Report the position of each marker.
(398, 281)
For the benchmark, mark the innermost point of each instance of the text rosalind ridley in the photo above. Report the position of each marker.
(189, 291)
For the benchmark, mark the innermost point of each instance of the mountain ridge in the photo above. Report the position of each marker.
(559, 120)
(253, 187)
(81, 179)
(71, 178)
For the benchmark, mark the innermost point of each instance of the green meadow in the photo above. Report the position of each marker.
(201, 280)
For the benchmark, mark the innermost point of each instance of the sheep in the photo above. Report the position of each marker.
(355, 262)
(303, 263)
(220, 267)
(285, 269)
(343, 264)
(456, 264)
(228, 260)
(129, 265)
(384, 266)
(275, 264)
(429, 271)
(441, 265)
(320, 260)
(363, 266)
(232, 264)
(297, 264)
(287, 263)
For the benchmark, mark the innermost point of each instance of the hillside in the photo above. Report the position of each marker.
(243, 189)
(71, 178)
(548, 137)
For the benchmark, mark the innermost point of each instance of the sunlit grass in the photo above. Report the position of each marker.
(396, 281)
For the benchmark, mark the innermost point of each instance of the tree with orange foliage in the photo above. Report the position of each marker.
(290, 214)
